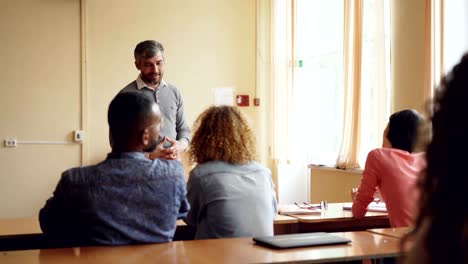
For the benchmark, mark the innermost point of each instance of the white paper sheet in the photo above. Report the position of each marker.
(223, 96)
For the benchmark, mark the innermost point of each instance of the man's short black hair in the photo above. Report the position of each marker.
(128, 113)
(403, 129)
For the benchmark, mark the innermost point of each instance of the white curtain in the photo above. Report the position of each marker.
(352, 54)
(375, 76)
(282, 53)
(290, 162)
(433, 49)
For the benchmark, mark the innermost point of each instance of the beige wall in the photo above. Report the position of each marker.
(39, 99)
(209, 43)
(407, 54)
(332, 185)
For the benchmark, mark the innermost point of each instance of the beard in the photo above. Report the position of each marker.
(151, 147)
(151, 79)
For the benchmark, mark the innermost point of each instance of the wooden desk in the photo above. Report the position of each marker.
(25, 233)
(398, 232)
(335, 219)
(19, 226)
(284, 219)
(364, 245)
(283, 224)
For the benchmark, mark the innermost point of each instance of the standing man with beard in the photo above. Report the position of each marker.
(126, 198)
(175, 132)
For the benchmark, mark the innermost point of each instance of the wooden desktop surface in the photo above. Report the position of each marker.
(30, 225)
(284, 219)
(332, 219)
(364, 245)
(334, 212)
(398, 232)
(336, 219)
(19, 226)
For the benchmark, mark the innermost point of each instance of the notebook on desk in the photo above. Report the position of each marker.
(292, 209)
(373, 207)
(300, 240)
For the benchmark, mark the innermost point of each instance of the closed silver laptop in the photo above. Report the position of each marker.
(300, 240)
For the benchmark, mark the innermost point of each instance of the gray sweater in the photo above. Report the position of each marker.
(170, 101)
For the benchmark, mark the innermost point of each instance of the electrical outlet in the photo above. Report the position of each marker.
(11, 143)
(78, 136)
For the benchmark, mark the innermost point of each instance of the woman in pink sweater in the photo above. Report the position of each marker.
(393, 170)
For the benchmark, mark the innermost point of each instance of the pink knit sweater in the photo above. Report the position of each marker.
(394, 173)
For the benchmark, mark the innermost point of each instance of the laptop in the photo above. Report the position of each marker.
(300, 240)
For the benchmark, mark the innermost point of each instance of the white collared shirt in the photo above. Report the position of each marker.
(141, 84)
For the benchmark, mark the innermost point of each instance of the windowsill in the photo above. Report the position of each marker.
(330, 168)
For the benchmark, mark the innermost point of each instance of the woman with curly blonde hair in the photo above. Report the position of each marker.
(230, 194)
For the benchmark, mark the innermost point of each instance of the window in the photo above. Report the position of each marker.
(318, 89)
(319, 124)
(446, 32)
(455, 24)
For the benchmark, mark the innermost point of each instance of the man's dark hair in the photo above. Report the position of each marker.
(128, 113)
(148, 49)
(403, 129)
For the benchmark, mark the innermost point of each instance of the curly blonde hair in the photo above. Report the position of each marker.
(222, 133)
